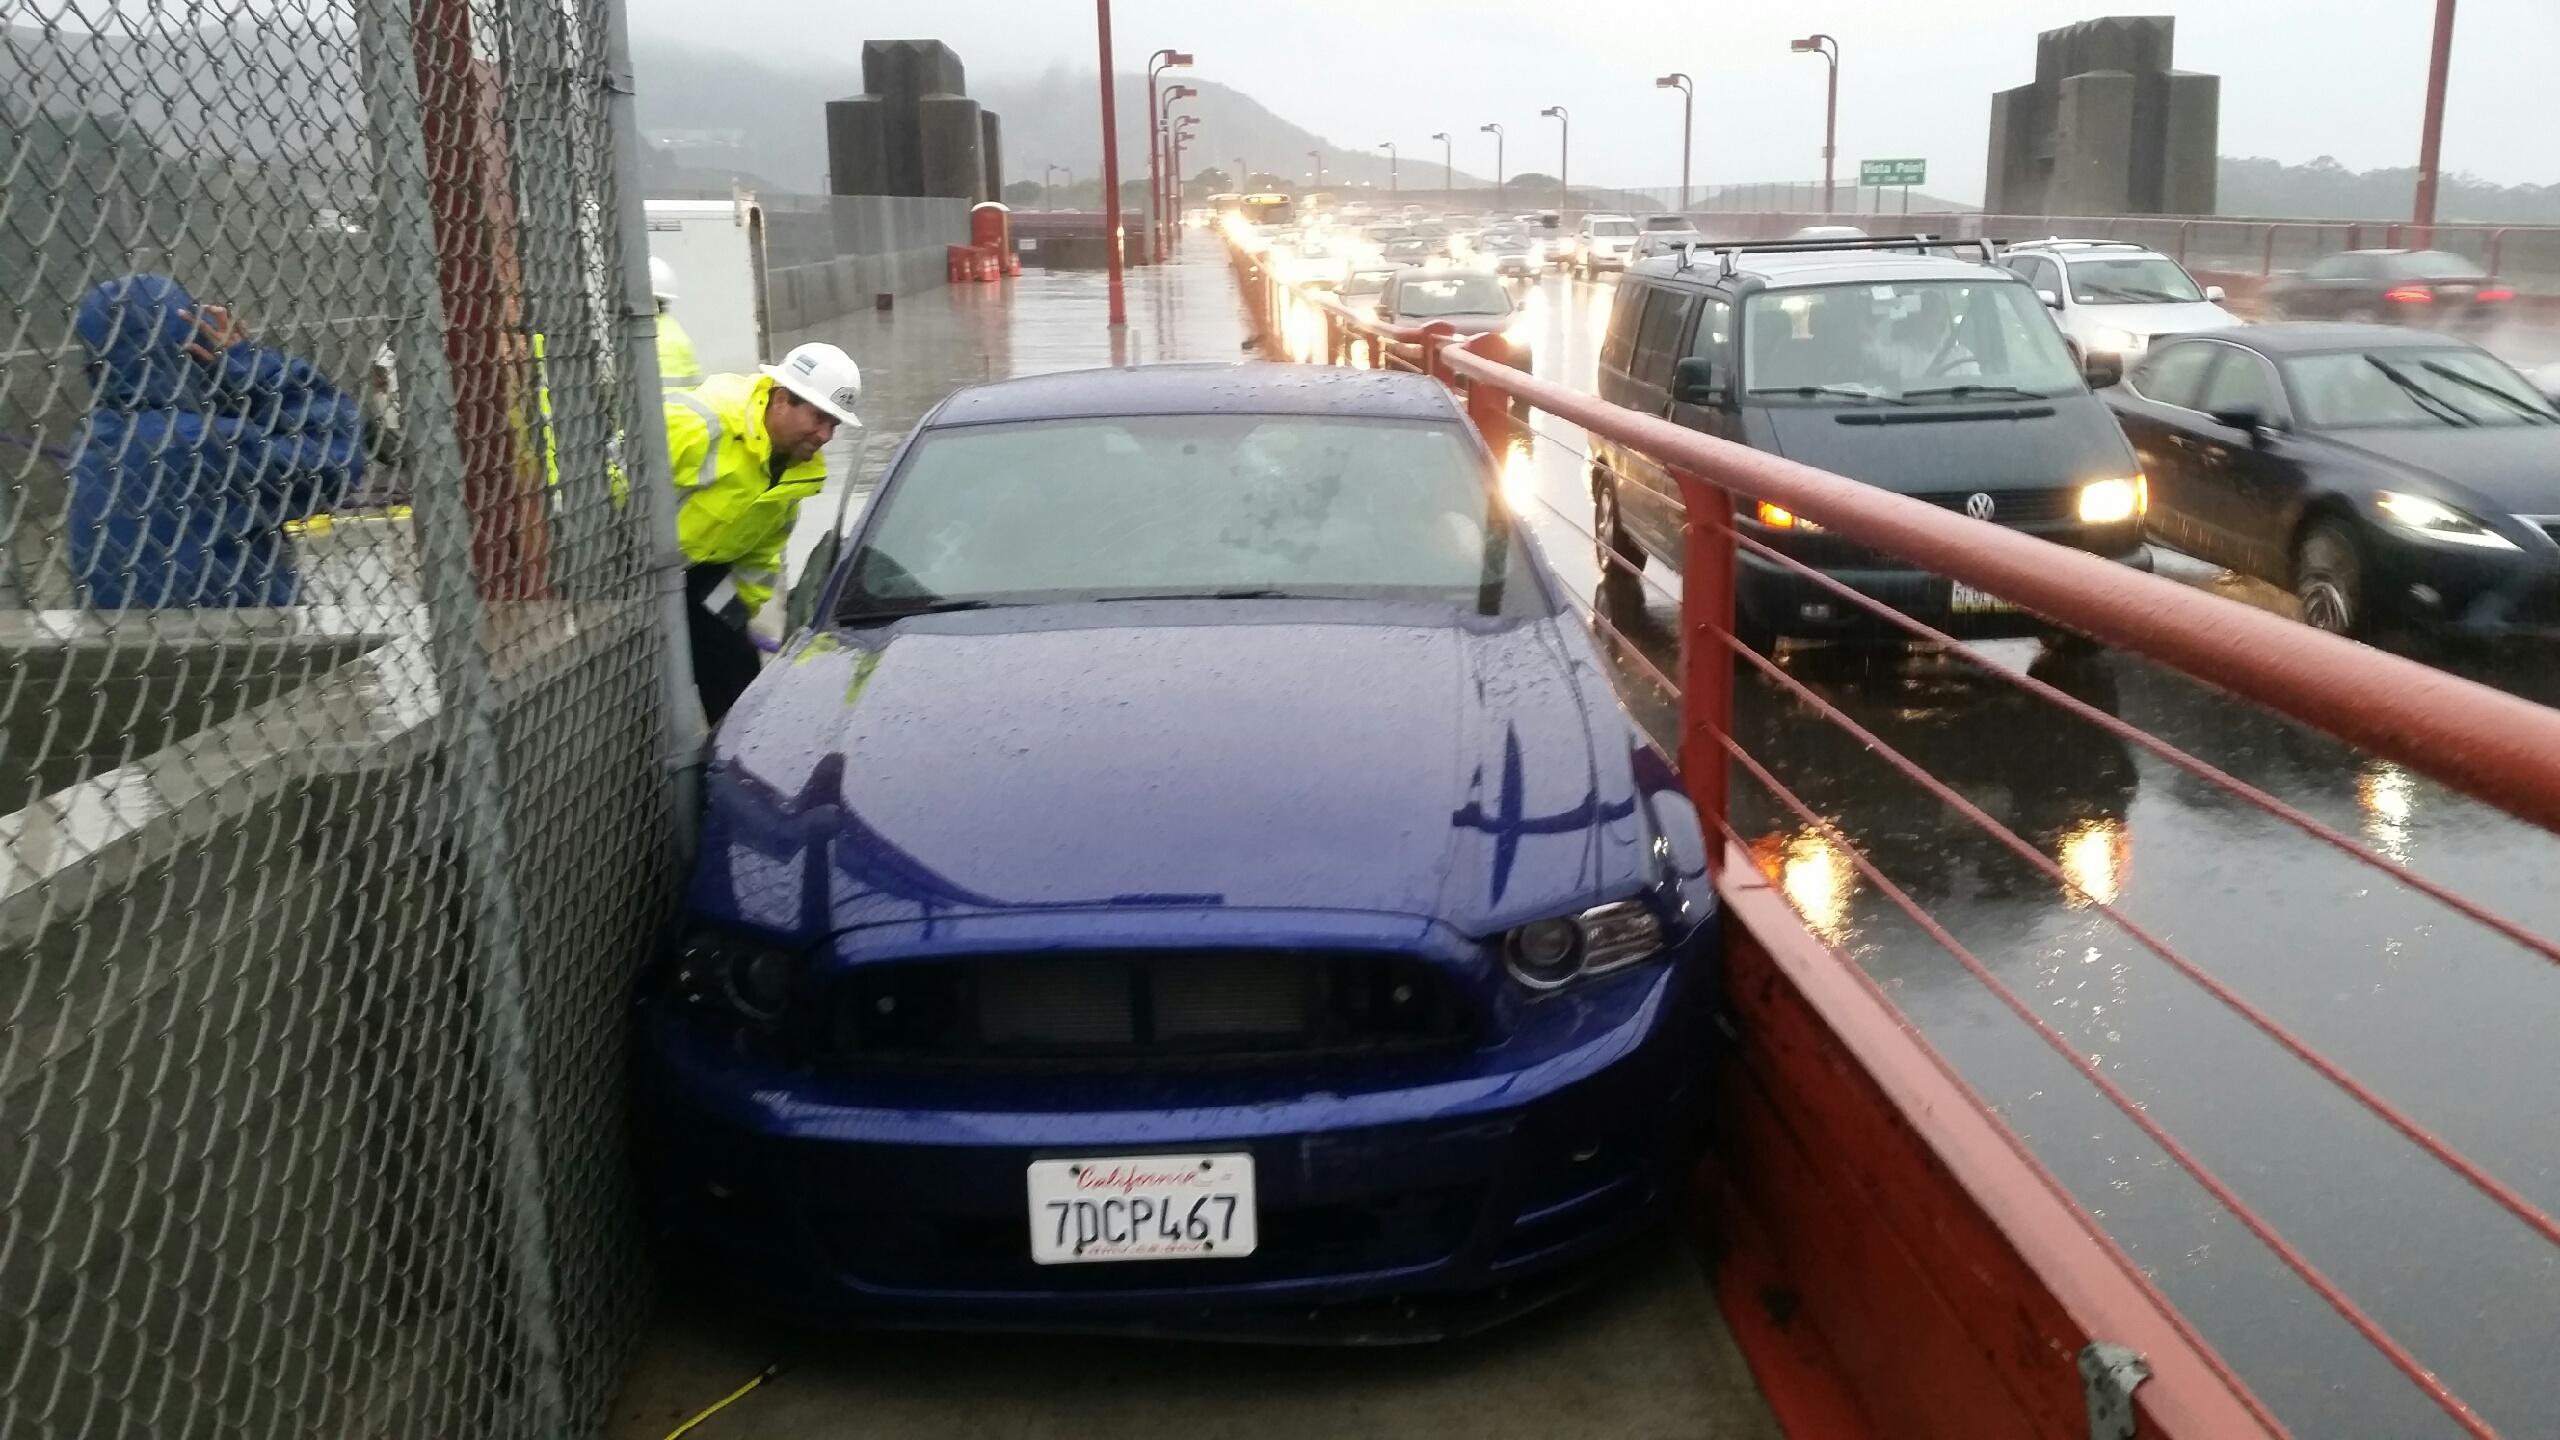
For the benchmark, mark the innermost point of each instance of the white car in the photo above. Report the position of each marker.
(2111, 297)
(1605, 242)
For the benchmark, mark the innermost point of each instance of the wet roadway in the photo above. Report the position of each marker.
(2449, 1021)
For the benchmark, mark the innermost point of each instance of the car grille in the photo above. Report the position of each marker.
(2048, 506)
(1138, 1009)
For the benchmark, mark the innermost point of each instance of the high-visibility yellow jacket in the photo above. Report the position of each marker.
(732, 509)
(677, 369)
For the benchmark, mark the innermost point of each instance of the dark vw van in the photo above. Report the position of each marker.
(1887, 361)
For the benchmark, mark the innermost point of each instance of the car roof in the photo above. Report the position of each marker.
(2320, 337)
(1198, 388)
(1805, 268)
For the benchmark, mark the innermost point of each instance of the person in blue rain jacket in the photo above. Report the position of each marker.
(198, 447)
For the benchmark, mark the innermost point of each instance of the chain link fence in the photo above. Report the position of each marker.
(340, 786)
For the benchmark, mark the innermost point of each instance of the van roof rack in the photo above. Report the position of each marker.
(2069, 242)
(1733, 251)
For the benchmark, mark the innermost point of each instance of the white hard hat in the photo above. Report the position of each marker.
(662, 279)
(824, 376)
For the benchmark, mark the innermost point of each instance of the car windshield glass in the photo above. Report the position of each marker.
(1946, 339)
(1184, 505)
(2133, 280)
(1613, 227)
(2414, 387)
(1381, 234)
(1666, 222)
(2435, 265)
(1453, 295)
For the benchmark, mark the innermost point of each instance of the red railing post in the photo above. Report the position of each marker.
(1706, 665)
(1488, 407)
(2267, 261)
(2497, 249)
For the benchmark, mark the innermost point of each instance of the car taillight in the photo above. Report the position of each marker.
(2410, 295)
(2500, 293)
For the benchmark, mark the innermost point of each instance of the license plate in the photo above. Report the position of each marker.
(1142, 1207)
(1968, 601)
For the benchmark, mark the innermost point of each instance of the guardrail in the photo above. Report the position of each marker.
(1984, 1188)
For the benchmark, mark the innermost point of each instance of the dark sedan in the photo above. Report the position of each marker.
(1196, 880)
(2382, 476)
(2427, 288)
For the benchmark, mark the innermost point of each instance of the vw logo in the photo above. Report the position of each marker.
(1979, 505)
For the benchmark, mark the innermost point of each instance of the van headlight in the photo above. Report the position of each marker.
(1546, 954)
(2108, 340)
(2438, 521)
(2112, 502)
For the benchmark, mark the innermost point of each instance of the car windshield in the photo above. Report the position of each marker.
(1366, 282)
(1613, 227)
(1915, 339)
(1452, 295)
(1381, 234)
(2434, 265)
(1132, 507)
(2413, 388)
(1667, 222)
(1496, 240)
(2132, 280)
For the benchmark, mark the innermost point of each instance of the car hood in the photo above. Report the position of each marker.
(2162, 319)
(2065, 440)
(1476, 774)
(2515, 469)
(1460, 324)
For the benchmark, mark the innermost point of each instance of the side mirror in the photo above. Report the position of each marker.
(2052, 300)
(2102, 369)
(1693, 382)
(2249, 420)
(2213, 294)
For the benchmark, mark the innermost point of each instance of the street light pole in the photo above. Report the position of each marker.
(1156, 65)
(1828, 49)
(1390, 147)
(1110, 166)
(1168, 187)
(1679, 81)
(1496, 132)
(1177, 131)
(2431, 138)
(1564, 158)
(1046, 171)
(1318, 157)
(1244, 177)
(1448, 165)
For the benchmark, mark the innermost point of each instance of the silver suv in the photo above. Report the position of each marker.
(1605, 242)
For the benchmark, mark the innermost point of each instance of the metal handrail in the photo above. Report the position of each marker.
(2485, 742)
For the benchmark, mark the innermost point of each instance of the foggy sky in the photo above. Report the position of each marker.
(2301, 78)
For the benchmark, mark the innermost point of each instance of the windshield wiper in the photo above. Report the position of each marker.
(1839, 392)
(1231, 592)
(902, 609)
(2522, 407)
(2428, 400)
(1975, 392)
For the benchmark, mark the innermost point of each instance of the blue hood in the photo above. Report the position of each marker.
(1264, 756)
(137, 329)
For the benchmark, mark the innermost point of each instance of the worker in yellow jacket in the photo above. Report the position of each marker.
(677, 368)
(746, 452)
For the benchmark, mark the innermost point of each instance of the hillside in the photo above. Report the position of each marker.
(712, 113)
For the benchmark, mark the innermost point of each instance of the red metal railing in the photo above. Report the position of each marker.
(2501, 749)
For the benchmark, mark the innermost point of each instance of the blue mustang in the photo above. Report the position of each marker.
(1197, 879)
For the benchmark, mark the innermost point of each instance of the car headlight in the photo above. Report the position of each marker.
(2436, 520)
(2112, 502)
(745, 976)
(1545, 954)
(2108, 340)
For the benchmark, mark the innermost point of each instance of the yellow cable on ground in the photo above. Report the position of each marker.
(725, 1401)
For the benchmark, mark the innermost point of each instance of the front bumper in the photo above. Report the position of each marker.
(1420, 1198)
(1785, 603)
(2483, 593)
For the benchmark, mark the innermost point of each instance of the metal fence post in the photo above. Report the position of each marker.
(1706, 663)
(652, 484)
(466, 720)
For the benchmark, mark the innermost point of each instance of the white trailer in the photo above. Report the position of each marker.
(716, 248)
